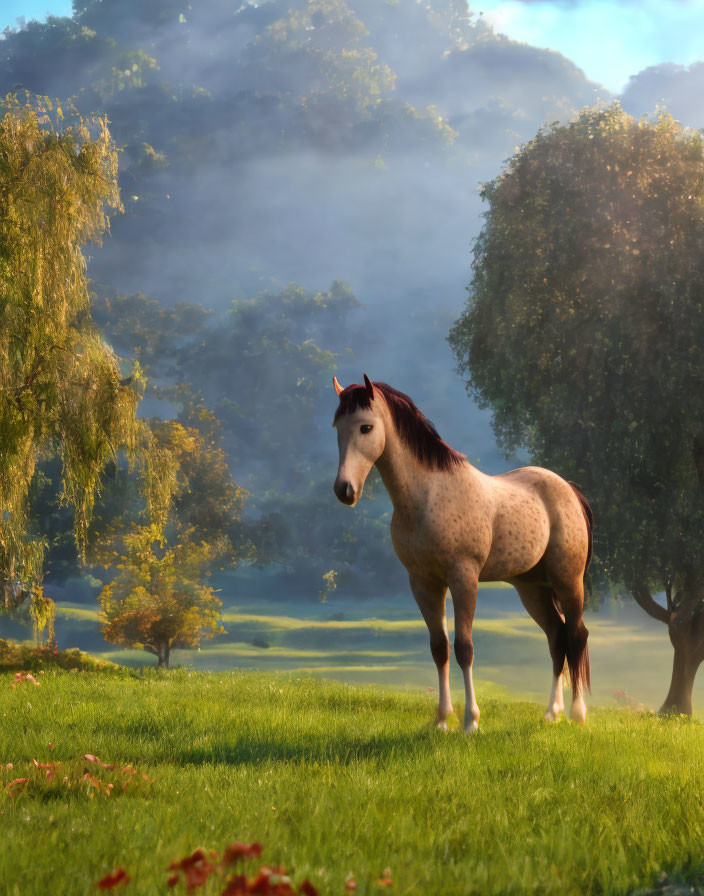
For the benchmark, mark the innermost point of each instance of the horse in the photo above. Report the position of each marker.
(454, 527)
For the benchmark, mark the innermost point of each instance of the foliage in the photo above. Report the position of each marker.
(262, 370)
(157, 601)
(260, 367)
(583, 334)
(15, 657)
(329, 584)
(584, 324)
(62, 389)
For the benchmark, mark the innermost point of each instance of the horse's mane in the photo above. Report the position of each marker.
(412, 426)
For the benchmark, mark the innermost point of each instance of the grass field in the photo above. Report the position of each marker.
(386, 643)
(333, 780)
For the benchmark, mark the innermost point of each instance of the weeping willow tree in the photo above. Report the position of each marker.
(61, 388)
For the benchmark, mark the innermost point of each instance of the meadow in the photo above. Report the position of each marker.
(251, 740)
(383, 641)
(337, 783)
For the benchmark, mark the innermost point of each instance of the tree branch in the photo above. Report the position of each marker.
(642, 596)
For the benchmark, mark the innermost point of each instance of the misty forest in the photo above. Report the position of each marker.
(207, 211)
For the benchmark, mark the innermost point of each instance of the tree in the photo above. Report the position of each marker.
(61, 388)
(158, 601)
(265, 367)
(583, 333)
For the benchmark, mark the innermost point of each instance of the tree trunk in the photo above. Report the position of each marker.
(163, 655)
(686, 629)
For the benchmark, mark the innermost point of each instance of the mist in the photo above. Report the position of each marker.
(292, 142)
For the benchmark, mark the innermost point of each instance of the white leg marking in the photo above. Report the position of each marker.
(556, 703)
(471, 710)
(445, 699)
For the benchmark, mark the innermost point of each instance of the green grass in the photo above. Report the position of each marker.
(335, 779)
(629, 651)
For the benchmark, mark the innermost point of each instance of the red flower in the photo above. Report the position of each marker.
(307, 888)
(116, 877)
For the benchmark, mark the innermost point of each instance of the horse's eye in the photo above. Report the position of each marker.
(366, 428)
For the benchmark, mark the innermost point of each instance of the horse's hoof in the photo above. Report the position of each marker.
(552, 714)
(441, 725)
(579, 712)
(472, 728)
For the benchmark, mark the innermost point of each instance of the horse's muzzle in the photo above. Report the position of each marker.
(345, 492)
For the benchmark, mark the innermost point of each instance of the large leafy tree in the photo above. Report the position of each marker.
(61, 388)
(583, 333)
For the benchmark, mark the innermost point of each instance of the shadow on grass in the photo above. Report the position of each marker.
(339, 750)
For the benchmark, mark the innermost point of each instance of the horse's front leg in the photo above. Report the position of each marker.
(430, 597)
(463, 586)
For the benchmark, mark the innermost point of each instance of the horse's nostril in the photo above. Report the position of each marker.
(344, 492)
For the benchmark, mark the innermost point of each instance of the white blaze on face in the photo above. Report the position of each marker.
(360, 440)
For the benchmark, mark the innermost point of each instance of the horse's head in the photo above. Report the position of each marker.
(360, 424)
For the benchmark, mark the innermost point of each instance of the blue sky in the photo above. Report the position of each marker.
(31, 9)
(609, 39)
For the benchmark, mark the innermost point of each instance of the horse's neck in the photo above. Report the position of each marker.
(403, 475)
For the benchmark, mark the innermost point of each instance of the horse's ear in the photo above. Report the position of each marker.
(368, 385)
(338, 387)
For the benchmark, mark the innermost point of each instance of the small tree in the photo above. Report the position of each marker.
(584, 334)
(158, 601)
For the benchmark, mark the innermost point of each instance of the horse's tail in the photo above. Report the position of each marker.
(588, 519)
(577, 651)
(576, 634)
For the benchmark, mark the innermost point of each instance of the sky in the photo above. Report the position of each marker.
(11, 10)
(608, 39)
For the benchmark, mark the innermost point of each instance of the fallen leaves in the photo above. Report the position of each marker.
(87, 774)
(116, 877)
(385, 880)
(239, 850)
(195, 869)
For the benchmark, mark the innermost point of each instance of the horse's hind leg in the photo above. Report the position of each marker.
(537, 599)
(570, 600)
(430, 598)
